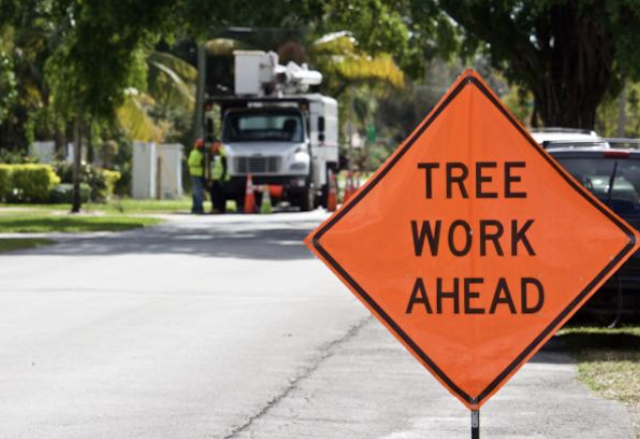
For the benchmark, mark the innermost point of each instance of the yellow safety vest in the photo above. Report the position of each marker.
(216, 166)
(196, 168)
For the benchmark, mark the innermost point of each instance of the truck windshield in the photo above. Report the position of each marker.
(263, 126)
(615, 182)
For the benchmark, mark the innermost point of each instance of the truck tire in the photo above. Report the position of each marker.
(307, 200)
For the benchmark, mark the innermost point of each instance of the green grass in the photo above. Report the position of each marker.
(12, 244)
(609, 363)
(142, 206)
(45, 222)
(126, 205)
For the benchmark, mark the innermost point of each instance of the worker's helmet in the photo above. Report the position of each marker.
(199, 143)
(215, 146)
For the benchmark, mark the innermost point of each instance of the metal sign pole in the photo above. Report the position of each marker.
(475, 424)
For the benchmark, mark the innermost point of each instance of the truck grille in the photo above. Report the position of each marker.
(257, 165)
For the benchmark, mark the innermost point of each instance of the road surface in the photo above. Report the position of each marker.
(226, 327)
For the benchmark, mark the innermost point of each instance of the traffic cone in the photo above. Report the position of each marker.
(249, 197)
(265, 205)
(332, 193)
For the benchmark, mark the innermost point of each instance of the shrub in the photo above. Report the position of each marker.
(111, 178)
(63, 193)
(101, 181)
(16, 157)
(27, 183)
(5, 182)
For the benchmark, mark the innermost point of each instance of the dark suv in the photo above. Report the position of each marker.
(610, 170)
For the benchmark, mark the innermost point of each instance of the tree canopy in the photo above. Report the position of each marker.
(569, 54)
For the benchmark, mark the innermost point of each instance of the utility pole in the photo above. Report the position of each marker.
(200, 92)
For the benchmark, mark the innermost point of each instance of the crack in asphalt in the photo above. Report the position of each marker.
(326, 352)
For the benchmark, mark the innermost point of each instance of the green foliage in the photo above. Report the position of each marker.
(166, 109)
(343, 63)
(44, 222)
(14, 157)
(63, 193)
(568, 54)
(172, 81)
(101, 182)
(27, 182)
(102, 53)
(608, 113)
(5, 182)
(8, 85)
(378, 25)
(111, 179)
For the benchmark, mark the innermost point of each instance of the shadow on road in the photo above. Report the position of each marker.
(246, 242)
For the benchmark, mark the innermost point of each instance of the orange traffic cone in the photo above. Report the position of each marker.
(332, 193)
(249, 197)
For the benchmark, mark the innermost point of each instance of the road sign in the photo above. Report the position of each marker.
(471, 244)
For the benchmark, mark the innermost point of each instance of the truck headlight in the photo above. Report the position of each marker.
(298, 166)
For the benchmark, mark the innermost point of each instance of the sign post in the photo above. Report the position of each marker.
(472, 245)
(475, 424)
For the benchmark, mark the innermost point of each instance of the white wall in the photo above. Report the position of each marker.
(146, 158)
(143, 179)
(171, 170)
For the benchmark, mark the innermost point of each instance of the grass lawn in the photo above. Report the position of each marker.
(8, 245)
(116, 207)
(126, 205)
(43, 222)
(609, 363)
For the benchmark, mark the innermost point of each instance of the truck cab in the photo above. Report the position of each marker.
(286, 141)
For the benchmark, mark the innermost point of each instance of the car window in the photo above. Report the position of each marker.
(615, 182)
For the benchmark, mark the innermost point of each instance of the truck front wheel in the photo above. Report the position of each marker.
(307, 198)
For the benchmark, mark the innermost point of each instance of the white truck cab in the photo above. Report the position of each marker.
(288, 141)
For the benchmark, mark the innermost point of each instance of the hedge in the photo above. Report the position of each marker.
(5, 182)
(27, 183)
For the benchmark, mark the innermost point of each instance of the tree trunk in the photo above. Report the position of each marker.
(90, 150)
(59, 141)
(578, 70)
(77, 162)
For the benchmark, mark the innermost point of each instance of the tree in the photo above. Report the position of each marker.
(28, 36)
(338, 57)
(567, 53)
(100, 56)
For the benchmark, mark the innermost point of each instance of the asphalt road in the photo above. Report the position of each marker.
(226, 327)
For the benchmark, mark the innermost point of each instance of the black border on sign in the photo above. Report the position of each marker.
(392, 324)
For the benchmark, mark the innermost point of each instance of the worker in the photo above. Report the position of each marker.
(196, 170)
(219, 178)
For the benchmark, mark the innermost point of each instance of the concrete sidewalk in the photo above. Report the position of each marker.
(368, 386)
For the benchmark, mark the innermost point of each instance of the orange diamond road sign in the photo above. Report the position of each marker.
(471, 244)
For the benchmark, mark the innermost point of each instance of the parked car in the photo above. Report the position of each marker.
(610, 170)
